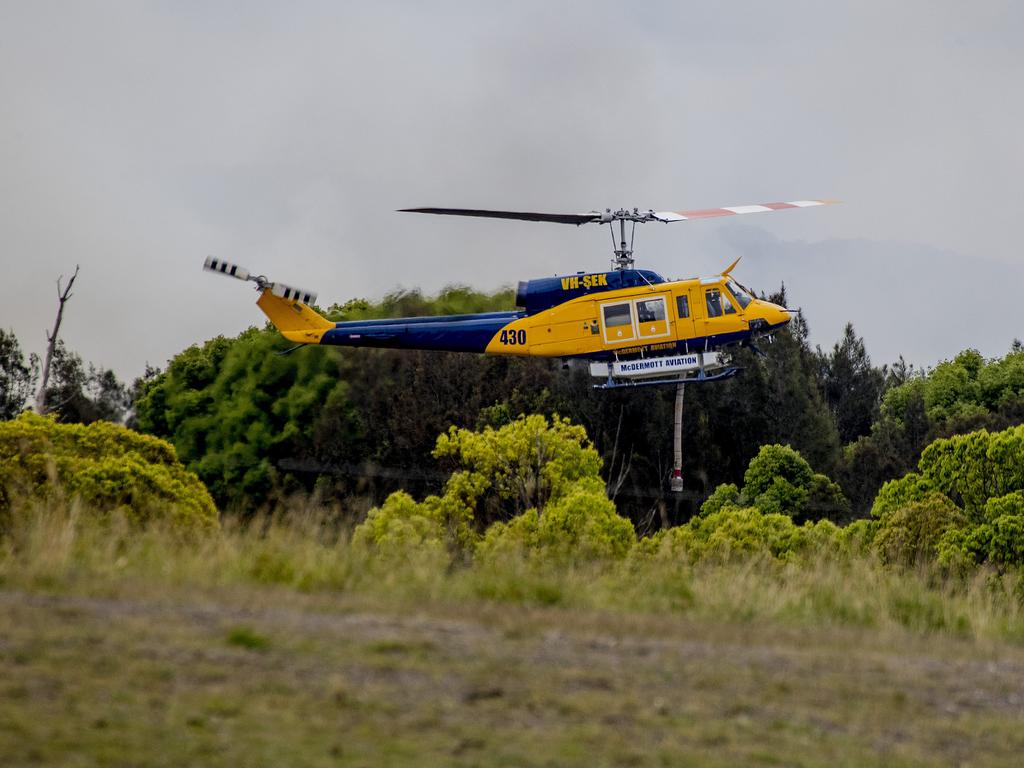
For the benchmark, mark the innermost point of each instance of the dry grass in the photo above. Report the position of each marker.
(61, 548)
(279, 644)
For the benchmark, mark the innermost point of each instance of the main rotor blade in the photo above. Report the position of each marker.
(711, 213)
(556, 218)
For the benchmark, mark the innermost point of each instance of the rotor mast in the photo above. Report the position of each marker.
(624, 252)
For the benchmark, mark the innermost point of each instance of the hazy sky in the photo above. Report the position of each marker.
(136, 138)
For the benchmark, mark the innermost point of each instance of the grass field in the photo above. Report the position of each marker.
(278, 649)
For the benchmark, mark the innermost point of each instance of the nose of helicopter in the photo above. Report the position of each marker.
(780, 316)
(773, 316)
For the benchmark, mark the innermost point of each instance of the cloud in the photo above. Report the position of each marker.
(139, 137)
(907, 299)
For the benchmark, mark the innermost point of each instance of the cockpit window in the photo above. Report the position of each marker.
(741, 295)
(727, 306)
(713, 298)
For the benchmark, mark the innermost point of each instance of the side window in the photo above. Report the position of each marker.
(618, 322)
(616, 315)
(650, 311)
(713, 297)
(683, 306)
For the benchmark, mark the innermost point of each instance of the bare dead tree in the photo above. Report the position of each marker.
(63, 294)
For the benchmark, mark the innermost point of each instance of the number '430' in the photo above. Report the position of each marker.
(513, 338)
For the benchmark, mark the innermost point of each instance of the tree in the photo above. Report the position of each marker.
(852, 386)
(957, 397)
(63, 295)
(965, 505)
(779, 480)
(17, 379)
(81, 396)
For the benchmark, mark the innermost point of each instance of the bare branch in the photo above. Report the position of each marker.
(63, 294)
(613, 486)
(624, 466)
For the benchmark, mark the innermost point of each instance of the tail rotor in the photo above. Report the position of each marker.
(281, 290)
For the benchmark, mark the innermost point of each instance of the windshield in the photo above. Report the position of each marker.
(741, 295)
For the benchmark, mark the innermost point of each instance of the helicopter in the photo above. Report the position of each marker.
(633, 326)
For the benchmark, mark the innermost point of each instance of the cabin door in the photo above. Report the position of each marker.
(652, 319)
(720, 315)
(618, 319)
(684, 319)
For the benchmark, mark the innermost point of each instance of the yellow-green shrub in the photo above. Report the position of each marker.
(740, 531)
(899, 493)
(400, 525)
(546, 470)
(105, 465)
(971, 469)
(527, 462)
(581, 525)
(910, 534)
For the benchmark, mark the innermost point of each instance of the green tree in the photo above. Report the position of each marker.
(853, 387)
(959, 396)
(779, 480)
(17, 378)
(80, 395)
(965, 505)
(973, 468)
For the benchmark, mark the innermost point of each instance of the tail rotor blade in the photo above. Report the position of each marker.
(281, 290)
(225, 268)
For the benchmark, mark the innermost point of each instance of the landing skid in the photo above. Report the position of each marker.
(700, 378)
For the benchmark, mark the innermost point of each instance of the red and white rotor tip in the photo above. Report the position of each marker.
(734, 210)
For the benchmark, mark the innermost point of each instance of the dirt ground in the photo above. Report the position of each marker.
(273, 678)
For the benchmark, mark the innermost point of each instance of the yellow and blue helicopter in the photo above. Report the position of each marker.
(634, 327)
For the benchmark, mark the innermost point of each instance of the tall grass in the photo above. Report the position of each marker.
(62, 546)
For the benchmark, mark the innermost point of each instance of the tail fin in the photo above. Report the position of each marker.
(295, 320)
(288, 308)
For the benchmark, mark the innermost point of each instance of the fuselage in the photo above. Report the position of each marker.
(583, 316)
